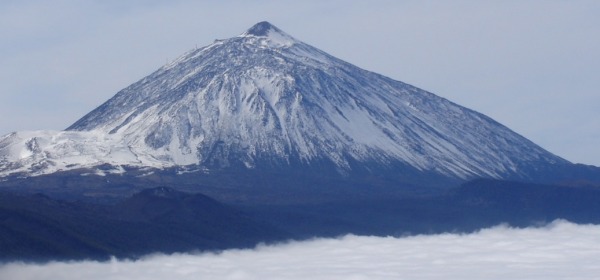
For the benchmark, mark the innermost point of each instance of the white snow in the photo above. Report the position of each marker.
(278, 40)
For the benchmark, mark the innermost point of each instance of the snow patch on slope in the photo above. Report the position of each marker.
(44, 152)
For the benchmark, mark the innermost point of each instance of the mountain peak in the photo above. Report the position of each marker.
(262, 29)
(266, 34)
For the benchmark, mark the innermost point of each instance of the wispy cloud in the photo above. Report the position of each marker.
(560, 250)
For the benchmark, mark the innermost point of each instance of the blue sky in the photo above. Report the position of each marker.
(531, 65)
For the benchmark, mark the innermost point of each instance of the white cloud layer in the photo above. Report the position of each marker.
(560, 250)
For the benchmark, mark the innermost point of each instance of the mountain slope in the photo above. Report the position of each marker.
(40, 228)
(264, 99)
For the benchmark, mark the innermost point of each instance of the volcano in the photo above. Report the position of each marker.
(264, 99)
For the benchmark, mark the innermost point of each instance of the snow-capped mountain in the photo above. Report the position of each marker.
(265, 98)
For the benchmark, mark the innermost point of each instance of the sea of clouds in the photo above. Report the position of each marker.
(560, 250)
